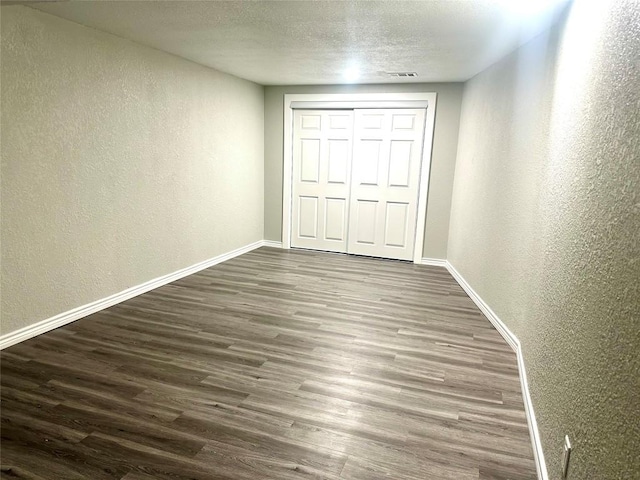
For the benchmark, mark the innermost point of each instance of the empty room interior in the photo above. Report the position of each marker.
(320, 239)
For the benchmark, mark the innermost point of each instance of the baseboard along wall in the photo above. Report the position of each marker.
(72, 315)
(513, 341)
(434, 262)
(271, 243)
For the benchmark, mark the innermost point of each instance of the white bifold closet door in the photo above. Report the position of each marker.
(387, 155)
(322, 149)
(356, 176)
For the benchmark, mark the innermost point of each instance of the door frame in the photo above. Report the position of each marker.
(337, 101)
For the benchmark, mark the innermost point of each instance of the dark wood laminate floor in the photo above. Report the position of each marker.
(276, 364)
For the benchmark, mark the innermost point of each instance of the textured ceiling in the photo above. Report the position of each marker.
(315, 42)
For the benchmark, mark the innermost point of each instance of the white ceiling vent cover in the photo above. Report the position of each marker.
(402, 74)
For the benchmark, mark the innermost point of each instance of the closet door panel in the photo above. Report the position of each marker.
(322, 152)
(387, 154)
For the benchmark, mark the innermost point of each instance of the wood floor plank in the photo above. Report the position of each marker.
(273, 365)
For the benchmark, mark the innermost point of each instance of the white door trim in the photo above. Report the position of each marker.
(354, 104)
(373, 100)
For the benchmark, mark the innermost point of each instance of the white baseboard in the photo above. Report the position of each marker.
(271, 243)
(75, 314)
(510, 338)
(72, 315)
(434, 262)
(513, 341)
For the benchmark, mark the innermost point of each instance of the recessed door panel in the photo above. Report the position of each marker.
(368, 162)
(365, 225)
(340, 121)
(310, 167)
(338, 161)
(371, 121)
(308, 217)
(335, 219)
(403, 121)
(400, 163)
(395, 224)
(310, 122)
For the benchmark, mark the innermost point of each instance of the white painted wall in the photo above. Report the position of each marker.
(120, 164)
(545, 226)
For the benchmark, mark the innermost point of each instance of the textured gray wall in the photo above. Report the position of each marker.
(120, 164)
(442, 163)
(545, 226)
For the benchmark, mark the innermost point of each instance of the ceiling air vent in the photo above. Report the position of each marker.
(402, 74)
